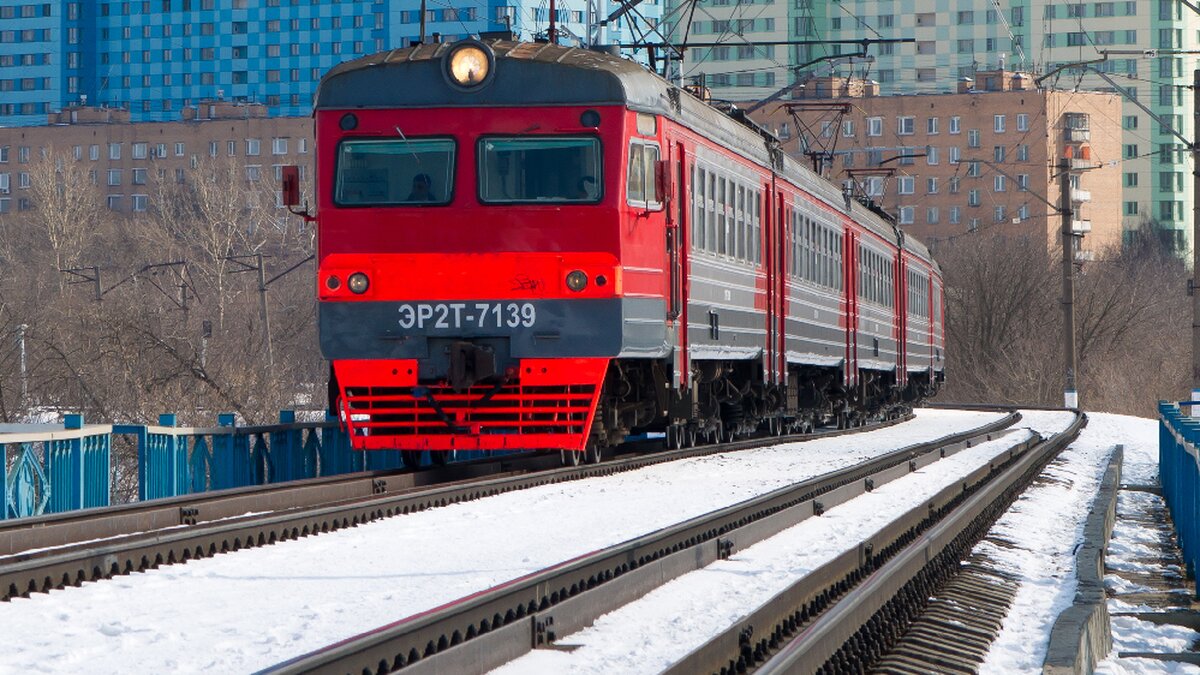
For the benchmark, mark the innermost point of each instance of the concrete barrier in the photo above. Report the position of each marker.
(1082, 636)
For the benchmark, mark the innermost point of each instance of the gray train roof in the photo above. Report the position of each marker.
(537, 74)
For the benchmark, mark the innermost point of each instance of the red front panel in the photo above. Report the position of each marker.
(549, 407)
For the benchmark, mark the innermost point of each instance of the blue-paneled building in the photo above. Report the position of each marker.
(159, 57)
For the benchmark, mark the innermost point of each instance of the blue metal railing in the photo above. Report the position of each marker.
(54, 468)
(1179, 473)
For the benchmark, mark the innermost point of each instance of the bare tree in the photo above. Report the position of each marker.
(66, 201)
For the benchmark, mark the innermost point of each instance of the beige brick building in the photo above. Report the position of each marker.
(126, 160)
(979, 161)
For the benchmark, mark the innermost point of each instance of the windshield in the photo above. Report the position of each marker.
(389, 172)
(540, 169)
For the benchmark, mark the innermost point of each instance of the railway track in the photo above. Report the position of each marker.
(849, 614)
(493, 627)
(57, 551)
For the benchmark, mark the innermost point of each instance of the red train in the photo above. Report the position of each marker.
(532, 246)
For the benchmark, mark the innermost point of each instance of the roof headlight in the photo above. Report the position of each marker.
(469, 65)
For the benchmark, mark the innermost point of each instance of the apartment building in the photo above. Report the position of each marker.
(979, 161)
(1144, 41)
(1140, 45)
(159, 57)
(128, 159)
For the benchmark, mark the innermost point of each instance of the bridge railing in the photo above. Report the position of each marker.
(1179, 474)
(56, 468)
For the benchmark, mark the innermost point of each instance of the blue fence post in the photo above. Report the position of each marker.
(175, 465)
(285, 450)
(226, 467)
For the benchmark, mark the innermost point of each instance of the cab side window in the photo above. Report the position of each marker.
(641, 188)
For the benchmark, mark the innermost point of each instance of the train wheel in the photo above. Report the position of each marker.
(412, 458)
(594, 454)
(570, 457)
(440, 458)
(674, 437)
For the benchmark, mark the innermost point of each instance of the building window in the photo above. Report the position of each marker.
(114, 152)
(139, 176)
(955, 125)
(139, 202)
(1022, 153)
(931, 126)
(114, 177)
(252, 147)
(1131, 208)
(955, 154)
(998, 183)
(905, 185)
(1023, 182)
(998, 153)
(955, 215)
(904, 126)
(931, 185)
(1022, 121)
(1131, 179)
(932, 215)
(279, 146)
(998, 213)
(906, 215)
(972, 138)
(973, 198)
(931, 155)
(874, 126)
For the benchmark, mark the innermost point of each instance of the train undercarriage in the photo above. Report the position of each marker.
(730, 400)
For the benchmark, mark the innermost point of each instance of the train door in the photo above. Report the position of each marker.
(678, 217)
(850, 274)
(779, 283)
(900, 321)
(768, 258)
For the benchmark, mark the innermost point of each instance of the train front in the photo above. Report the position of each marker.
(469, 286)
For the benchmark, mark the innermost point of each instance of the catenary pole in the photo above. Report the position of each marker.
(1070, 392)
(1195, 244)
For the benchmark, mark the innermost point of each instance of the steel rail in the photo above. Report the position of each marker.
(235, 519)
(492, 627)
(845, 614)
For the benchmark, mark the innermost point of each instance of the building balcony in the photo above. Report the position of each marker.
(1085, 256)
(1077, 135)
(1081, 226)
(1080, 196)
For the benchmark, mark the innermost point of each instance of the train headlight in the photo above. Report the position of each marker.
(469, 65)
(358, 283)
(577, 280)
(333, 283)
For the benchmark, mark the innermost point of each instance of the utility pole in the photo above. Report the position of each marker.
(24, 366)
(552, 33)
(1070, 392)
(1195, 243)
(262, 308)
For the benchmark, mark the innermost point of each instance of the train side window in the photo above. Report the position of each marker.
(722, 226)
(699, 181)
(641, 186)
(740, 254)
(758, 197)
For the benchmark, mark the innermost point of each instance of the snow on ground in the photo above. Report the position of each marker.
(651, 633)
(1040, 534)
(257, 607)
(1137, 549)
